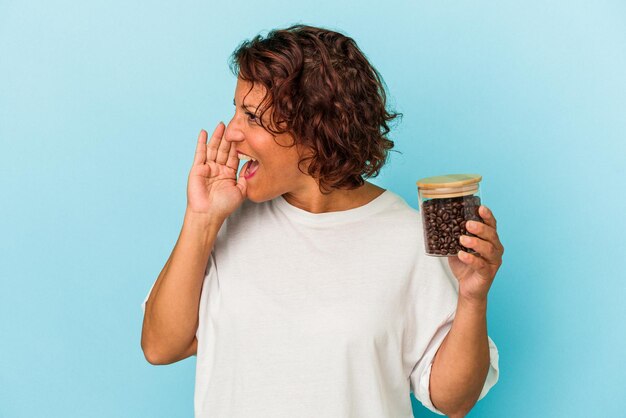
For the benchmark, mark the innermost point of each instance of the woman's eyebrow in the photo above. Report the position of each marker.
(245, 107)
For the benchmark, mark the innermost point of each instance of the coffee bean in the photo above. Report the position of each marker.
(444, 222)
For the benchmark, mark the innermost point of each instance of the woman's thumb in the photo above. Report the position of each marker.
(242, 183)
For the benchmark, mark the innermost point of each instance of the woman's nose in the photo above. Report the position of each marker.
(232, 132)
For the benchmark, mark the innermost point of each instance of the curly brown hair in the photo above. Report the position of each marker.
(321, 90)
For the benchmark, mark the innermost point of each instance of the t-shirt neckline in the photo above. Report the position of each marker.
(349, 215)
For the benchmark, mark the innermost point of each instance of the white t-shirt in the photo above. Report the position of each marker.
(336, 314)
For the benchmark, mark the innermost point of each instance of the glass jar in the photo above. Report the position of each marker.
(446, 203)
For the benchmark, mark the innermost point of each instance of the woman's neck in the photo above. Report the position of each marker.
(312, 200)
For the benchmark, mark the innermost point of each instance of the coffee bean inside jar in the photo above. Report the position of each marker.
(446, 204)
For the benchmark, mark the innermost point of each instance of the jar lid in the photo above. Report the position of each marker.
(448, 180)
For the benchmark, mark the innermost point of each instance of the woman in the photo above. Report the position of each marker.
(303, 289)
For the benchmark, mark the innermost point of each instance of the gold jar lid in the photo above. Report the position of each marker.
(449, 185)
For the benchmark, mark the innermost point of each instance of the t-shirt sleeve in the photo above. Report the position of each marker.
(208, 296)
(143, 304)
(431, 315)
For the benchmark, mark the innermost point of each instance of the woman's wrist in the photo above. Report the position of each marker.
(202, 220)
(473, 305)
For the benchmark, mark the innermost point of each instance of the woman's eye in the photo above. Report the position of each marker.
(251, 117)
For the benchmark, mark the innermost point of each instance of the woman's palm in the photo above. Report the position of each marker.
(212, 186)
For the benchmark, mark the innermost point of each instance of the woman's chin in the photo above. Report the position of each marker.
(259, 197)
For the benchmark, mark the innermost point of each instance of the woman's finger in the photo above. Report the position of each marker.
(487, 216)
(483, 231)
(477, 263)
(233, 159)
(214, 142)
(200, 156)
(487, 250)
(222, 151)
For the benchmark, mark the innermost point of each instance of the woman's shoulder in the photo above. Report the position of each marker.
(400, 210)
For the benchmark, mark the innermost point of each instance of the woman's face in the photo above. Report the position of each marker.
(277, 172)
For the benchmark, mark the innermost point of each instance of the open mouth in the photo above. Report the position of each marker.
(251, 166)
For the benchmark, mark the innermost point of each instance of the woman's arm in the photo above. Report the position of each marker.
(171, 317)
(461, 364)
(213, 193)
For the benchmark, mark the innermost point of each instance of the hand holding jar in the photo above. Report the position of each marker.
(457, 226)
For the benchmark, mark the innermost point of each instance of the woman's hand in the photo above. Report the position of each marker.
(476, 272)
(212, 187)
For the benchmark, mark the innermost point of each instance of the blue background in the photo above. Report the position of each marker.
(100, 106)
